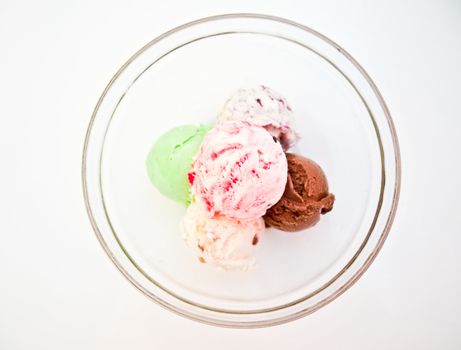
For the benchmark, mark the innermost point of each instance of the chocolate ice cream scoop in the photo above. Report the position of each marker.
(306, 196)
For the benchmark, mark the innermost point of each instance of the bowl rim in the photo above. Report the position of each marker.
(275, 321)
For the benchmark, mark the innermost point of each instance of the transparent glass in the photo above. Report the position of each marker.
(184, 76)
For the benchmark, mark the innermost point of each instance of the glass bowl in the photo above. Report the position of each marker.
(184, 76)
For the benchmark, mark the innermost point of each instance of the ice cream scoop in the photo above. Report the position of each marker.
(219, 240)
(240, 171)
(170, 159)
(264, 107)
(306, 197)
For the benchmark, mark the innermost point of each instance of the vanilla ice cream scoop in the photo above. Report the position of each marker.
(219, 240)
(264, 107)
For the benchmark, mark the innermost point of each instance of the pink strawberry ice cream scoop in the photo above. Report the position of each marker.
(240, 171)
(264, 107)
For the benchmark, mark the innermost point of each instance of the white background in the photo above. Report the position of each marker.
(58, 290)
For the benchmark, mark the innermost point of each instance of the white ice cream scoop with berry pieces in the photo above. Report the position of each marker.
(264, 107)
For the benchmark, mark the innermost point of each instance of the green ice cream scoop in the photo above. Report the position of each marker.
(170, 160)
